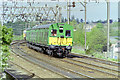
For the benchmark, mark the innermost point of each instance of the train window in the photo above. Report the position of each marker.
(68, 33)
(53, 32)
(61, 29)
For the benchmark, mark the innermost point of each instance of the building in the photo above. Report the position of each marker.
(115, 50)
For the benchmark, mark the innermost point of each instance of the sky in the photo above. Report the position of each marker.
(95, 11)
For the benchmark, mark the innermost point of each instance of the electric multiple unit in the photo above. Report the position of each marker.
(54, 39)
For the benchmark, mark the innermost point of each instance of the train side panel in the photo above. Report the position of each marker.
(38, 36)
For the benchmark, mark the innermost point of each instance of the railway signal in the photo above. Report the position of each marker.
(68, 10)
(73, 4)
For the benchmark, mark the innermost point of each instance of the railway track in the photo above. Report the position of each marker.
(92, 66)
(76, 72)
(95, 64)
(63, 71)
(31, 75)
(31, 60)
(103, 61)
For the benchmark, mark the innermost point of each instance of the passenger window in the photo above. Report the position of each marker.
(53, 32)
(68, 33)
(61, 29)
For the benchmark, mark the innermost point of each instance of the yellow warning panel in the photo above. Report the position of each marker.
(60, 41)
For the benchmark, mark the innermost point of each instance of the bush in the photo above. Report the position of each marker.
(18, 37)
(6, 39)
(96, 39)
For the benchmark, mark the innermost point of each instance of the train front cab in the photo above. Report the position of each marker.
(60, 40)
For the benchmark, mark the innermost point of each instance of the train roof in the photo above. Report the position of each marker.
(46, 26)
(40, 26)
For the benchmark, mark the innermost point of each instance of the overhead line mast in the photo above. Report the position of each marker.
(108, 25)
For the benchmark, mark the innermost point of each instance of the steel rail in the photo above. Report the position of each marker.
(98, 59)
(69, 69)
(40, 63)
(74, 64)
(89, 67)
(92, 68)
(22, 67)
(75, 72)
(93, 64)
(33, 74)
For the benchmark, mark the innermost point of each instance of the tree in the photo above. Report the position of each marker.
(79, 35)
(80, 38)
(97, 39)
(118, 19)
(99, 25)
(99, 21)
(73, 23)
(62, 20)
(6, 39)
(111, 21)
(65, 20)
(7, 35)
(72, 18)
(114, 29)
(81, 20)
(77, 20)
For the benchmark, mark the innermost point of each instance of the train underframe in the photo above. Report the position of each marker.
(52, 50)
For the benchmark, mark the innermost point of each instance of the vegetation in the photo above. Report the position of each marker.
(17, 37)
(114, 31)
(78, 51)
(96, 38)
(6, 39)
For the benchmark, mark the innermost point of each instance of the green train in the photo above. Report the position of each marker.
(54, 39)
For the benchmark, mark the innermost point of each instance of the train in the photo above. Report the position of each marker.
(54, 39)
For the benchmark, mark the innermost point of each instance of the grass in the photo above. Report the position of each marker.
(17, 37)
(116, 60)
(78, 51)
(96, 55)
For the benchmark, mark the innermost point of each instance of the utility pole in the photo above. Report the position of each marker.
(60, 14)
(85, 25)
(108, 25)
(2, 20)
(84, 5)
(68, 11)
(56, 14)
